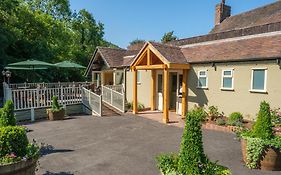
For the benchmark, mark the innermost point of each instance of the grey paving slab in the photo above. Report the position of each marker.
(122, 145)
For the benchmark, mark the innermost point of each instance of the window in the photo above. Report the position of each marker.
(138, 77)
(258, 83)
(160, 84)
(227, 80)
(202, 79)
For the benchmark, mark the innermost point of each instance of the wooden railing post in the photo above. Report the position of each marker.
(100, 105)
(38, 97)
(111, 99)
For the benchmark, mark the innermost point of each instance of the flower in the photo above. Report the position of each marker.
(12, 155)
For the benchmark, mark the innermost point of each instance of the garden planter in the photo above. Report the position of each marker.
(24, 167)
(57, 115)
(270, 159)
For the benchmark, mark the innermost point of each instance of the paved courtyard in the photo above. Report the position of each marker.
(122, 145)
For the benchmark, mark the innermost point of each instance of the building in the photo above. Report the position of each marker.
(235, 66)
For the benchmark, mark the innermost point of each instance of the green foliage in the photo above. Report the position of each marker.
(263, 127)
(256, 146)
(130, 106)
(15, 146)
(169, 36)
(55, 104)
(13, 140)
(213, 112)
(191, 155)
(47, 30)
(137, 41)
(167, 163)
(7, 116)
(276, 117)
(191, 158)
(260, 137)
(220, 122)
(235, 119)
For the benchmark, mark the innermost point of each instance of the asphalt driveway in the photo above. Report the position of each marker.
(122, 145)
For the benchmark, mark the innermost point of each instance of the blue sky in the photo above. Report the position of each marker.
(126, 20)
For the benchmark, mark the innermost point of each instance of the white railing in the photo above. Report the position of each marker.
(92, 101)
(118, 88)
(47, 85)
(113, 98)
(42, 97)
(7, 92)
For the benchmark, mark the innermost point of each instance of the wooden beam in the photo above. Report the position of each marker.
(153, 90)
(184, 92)
(141, 57)
(151, 67)
(135, 92)
(166, 96)
(158, 54)
(178, 66)
(148, 57)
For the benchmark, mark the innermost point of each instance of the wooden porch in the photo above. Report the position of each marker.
(150, 58)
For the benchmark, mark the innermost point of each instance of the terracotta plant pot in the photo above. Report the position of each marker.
(270, 159)
(27, 167)
(57, 115)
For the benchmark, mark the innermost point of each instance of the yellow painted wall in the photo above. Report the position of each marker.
(241, 99)
(143, 88)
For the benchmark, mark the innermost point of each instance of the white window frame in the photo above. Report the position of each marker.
(227, 76)
(265, 81)
(138, 77)
(204, 76)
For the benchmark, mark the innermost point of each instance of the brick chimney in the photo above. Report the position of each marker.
(222, 12)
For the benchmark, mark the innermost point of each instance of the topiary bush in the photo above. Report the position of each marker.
(55, 104)
(263, 127)
(13, 139)
(191, 155)
(7, 116)
(260, 137)
(235, 119)
(167, 163)
(191, 158)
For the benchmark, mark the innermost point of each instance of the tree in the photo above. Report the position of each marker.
(47, 30)
(137, 41)
(167, 37)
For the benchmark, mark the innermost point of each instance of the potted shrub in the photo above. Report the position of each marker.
(57, 112)
(17, 155)
(191, 158)
(260, 148)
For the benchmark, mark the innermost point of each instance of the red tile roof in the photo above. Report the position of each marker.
(249, 48)
(264, 15)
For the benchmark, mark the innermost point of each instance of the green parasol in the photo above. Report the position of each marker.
(33, 64)
(69, 64)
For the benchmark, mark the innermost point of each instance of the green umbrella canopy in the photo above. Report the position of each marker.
(69, 64)
(25, 68)
(31, 64)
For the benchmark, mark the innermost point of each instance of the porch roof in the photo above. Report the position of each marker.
(112, 57)
(159, 56)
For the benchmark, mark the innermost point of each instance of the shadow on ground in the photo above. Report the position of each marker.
(60, 173)
(49, 149)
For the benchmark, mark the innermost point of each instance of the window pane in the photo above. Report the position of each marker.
(227, 73)
(202, 73)
(258, 79)
(227, 82)
(160, 84)
(202, 82)
(138, 77)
